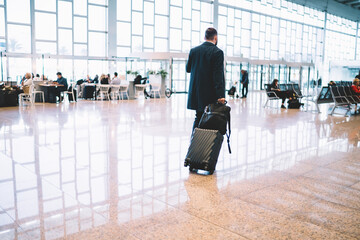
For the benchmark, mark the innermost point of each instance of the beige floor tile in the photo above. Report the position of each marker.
(311, 187)
(333, 176)
(332, 216)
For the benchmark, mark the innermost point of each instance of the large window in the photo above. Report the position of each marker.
(254, 29)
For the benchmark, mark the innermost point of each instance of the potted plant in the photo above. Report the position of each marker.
(162, 73)
(135, 73)
(151, 72)
(130, 75)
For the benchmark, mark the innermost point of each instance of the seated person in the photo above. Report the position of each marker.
(61, 80)
(96, 79)
(88, 79)
(356, 90)
(27, 81)
(115, 80)
(331, 83)
(37, 77)
(356, 86)
(104, 79)
(281, 94)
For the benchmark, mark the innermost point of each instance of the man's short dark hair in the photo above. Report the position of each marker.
(59, 73)
(210, 33)
(115, 73)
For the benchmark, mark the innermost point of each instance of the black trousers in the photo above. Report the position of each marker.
(198, 116)
(245, 88)
(284, 94)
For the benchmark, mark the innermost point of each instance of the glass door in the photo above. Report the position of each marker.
(180, 79)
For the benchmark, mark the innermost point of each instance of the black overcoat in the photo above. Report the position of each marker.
(207, 81)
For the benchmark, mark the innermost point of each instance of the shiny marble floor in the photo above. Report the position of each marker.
(114, 170)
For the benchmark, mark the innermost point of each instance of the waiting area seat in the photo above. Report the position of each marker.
(271, 95)
(341, 96)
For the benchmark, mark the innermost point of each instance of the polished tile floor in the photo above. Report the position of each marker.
(114, 170)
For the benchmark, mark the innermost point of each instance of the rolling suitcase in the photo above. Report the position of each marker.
(204, 150)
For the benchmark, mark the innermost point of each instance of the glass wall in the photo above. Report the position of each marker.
(72, 35)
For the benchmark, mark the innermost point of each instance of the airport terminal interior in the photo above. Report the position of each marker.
(84, 155)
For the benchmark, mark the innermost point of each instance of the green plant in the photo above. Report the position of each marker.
(163, 73)
(128, 72)
(135, 73)
(151, 72)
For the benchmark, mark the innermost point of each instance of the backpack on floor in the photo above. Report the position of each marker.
(294, 103)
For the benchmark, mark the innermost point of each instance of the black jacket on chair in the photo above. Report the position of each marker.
(207, 81)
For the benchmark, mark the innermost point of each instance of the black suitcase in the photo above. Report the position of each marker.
(232, 91)
(204, 150)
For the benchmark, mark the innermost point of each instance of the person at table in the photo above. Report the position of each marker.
(61, 81)
(281, 94)
(116, 79)
(104, 79)
(96, 79)
(37, 77)
(88, 79)
(27, 80)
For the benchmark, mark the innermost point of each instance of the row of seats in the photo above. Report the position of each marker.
(342, 96)
(271, 95)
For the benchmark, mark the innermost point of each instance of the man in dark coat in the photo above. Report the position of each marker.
(207, 81)
(245, 83)
(61, 80)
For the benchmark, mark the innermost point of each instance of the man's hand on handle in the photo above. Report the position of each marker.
(221, 100)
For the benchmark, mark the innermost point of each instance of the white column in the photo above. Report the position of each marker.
(216, 14)
(33, 43)
(112, 35)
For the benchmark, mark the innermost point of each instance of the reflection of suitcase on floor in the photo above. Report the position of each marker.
(204, 150)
